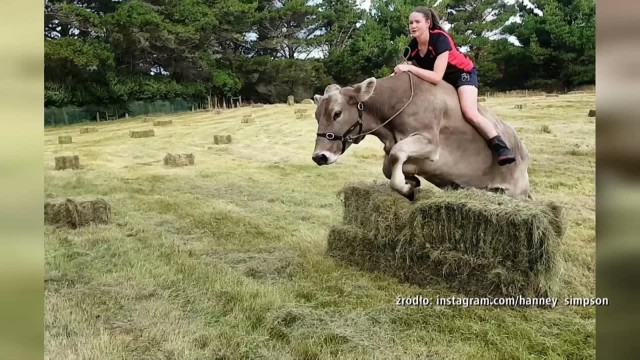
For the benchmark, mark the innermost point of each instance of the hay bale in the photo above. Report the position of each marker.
(162, 122)
(290, 100)
(592, 113)
(87, 130)
(300, 111)
(142, 133)
(520, 106)
(481, 99)
(177, 160)
(477, 241)
(307, 102)
(64, 139)
(221, 139)
(76, 213)
(67, 162)
(248, 120)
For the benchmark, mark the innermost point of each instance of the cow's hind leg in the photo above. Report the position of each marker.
(417, 146)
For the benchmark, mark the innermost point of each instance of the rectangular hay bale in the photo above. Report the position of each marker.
(162, 122)
(511, 245)
(221, 139)
(67, 162)
(142, 133)
(247, 120)
(64, 140)
(73, 213)
(177, 160)
(87, 130)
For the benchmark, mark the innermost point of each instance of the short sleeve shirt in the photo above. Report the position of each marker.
(439, 42)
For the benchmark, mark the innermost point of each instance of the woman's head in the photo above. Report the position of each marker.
(423, 19)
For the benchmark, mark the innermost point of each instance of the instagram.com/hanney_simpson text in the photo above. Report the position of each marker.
(420, 300)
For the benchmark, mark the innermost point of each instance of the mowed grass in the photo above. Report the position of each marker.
(225, 259)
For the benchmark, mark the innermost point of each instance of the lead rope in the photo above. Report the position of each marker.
(396, 114)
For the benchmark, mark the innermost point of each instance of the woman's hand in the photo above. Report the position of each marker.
(402, 68)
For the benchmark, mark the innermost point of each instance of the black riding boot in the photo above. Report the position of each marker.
(500, 148)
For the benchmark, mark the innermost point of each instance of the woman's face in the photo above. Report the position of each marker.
(418, 25)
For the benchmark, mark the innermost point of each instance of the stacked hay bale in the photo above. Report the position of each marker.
(477, 242)
(64, 140)
(67, 162)
(87, 130)
(76, 213)
(177, 160)
(142, 133)
(221, 139)
(162, 122)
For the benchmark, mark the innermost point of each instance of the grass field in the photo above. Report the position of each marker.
(225, 259)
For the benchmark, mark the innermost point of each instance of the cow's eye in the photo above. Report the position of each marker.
(337, 114)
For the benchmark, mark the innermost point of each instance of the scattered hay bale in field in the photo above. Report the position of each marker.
(177, 160)
(552, 95)
(257, 105)
(67, 162)
(290, 100)
(307, 102)
(87, 130)
(592, 113)
(247, 119)
(74, 214)
(221, 139)
(477, 241)
(520, 106)
(481, 99)
(142, 133)
(64, 140)
(162, 122)
(545, 129)
(300, 111)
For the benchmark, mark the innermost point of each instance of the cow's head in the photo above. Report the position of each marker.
(337, 116)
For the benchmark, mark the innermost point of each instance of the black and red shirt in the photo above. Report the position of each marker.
(439, 42)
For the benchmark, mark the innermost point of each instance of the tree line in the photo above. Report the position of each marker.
(113, 52)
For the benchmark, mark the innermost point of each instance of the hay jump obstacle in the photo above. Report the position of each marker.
(221, 139)
(67, 162)
(64, 140)
(162, 122)
(87, 130)
(142, 133)
(477, 242)
(73, 213)
(177, 160)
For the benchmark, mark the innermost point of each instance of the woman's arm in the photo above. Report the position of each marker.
(435, 76)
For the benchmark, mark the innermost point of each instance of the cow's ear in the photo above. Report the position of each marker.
(364, 90)
(317, 98)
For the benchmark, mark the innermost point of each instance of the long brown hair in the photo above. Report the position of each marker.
(429, 14)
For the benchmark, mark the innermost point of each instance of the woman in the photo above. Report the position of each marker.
(433, 57)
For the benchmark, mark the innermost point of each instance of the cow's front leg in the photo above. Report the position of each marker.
(419, 146)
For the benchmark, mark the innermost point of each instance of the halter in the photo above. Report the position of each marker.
(346, 137)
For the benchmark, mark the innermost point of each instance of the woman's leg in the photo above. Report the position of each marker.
(468, 95)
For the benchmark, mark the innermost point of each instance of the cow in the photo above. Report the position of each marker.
(424, 134)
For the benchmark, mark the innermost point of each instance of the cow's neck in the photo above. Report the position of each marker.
(378, 109)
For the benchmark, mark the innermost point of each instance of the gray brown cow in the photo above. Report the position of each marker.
(424, 134)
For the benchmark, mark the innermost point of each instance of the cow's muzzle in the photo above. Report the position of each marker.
(320, 159)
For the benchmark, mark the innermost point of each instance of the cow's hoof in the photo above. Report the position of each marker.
(411, 195)
(412, 180)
